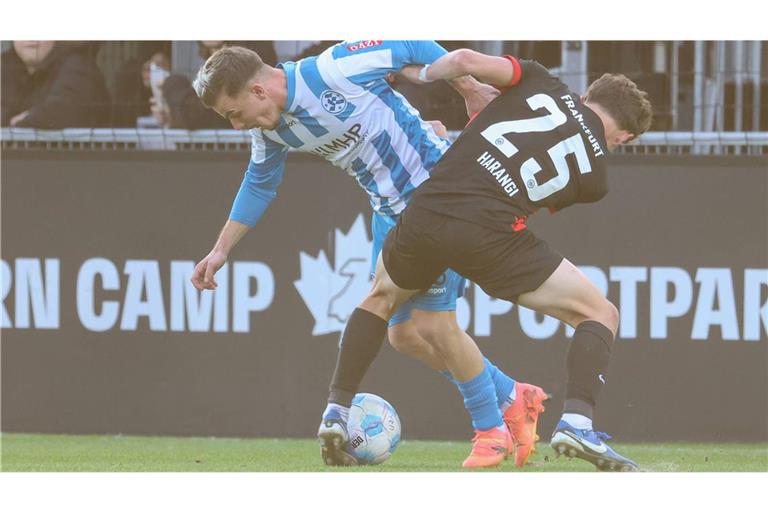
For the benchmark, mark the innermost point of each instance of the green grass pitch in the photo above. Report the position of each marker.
(42, 452)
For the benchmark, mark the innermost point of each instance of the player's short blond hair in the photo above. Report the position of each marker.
(227, 72)
(621, 98)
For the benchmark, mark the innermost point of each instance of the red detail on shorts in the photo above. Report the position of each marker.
(519, 224)
(361, 45)
(517, 73)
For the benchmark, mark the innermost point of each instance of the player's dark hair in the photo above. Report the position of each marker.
(227, 71)
(620, 97)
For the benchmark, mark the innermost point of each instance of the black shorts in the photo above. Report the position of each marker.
(504, 265)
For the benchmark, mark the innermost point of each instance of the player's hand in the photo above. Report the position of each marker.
(439, 128)
(480, 97)
(18, 118)
(203, 275)
(411, 73)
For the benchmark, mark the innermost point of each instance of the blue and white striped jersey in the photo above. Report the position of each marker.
(341, 108)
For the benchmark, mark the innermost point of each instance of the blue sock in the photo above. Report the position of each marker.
(480, 401)
(447, 375)
(504, 384)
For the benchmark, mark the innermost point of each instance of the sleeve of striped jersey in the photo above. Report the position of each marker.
(259, 186)
(416, 52)
(363, 65)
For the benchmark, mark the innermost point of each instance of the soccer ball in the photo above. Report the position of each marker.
(374, 429)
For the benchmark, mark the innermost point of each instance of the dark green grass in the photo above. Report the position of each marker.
(40, 452)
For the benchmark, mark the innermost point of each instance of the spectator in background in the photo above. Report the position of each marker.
(154, 72)
(292, 51)
(315, 49)
(131, 85)
(52, 85)
(181, 108)
(265, 49)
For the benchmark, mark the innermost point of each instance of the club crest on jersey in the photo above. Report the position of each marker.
(333, 102)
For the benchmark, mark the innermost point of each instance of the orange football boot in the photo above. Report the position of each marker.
(522, 417)
(490, 448)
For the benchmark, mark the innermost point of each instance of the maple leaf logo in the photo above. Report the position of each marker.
(332, 293)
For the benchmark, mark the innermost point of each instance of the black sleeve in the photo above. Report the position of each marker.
(77, 98)
(532, 69)
(584, 188)
(524, 70)
(595, 189)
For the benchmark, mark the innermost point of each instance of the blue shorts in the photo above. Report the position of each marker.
(441, 296)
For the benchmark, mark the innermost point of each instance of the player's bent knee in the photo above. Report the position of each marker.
(400, 343)
(380, 302)
(385, 298)
(604, 312)
(437, 330)
(402, 339)
(613, 318)
(409, 344)
(608, 315)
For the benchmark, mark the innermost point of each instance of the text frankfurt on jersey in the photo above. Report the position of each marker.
(579, 117)
(498, 172)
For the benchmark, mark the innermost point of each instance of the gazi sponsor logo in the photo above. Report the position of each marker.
(361, 45)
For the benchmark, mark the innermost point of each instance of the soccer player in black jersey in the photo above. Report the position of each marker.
(537, 145)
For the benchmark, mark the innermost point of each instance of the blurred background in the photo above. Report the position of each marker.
(695, 86)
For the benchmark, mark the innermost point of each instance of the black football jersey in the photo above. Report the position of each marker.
(536, 145)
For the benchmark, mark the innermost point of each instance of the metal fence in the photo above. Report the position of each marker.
(698, 143)
(699, 86)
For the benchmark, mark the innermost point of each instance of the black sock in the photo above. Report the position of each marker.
(360, 343)
(588, 358)
(576, 406)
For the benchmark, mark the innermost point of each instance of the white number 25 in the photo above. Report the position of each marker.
(572, 145)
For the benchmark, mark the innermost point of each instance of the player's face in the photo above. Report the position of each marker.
(252, 108)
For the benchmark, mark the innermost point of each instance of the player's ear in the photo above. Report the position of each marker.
(258, 89)
(624, 136)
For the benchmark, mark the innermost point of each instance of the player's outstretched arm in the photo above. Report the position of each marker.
(203, 275)
(486, 68)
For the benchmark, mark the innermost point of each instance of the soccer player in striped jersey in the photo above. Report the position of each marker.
(340, 106)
